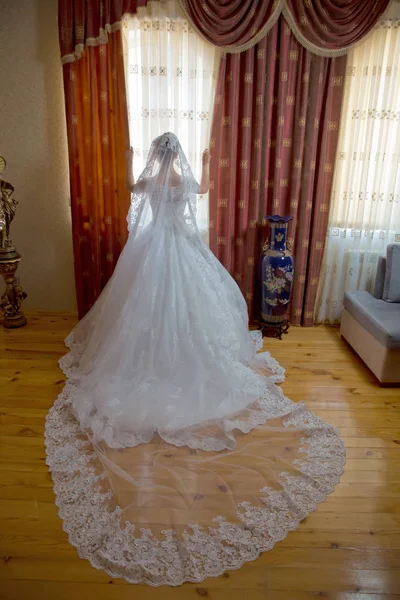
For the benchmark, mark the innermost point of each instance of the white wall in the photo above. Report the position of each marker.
(34, 144)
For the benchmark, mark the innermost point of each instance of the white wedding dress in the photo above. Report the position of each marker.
(174, 454)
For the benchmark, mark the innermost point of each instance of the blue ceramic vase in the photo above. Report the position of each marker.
(277, 269)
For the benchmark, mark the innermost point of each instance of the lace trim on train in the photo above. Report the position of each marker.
(137, 555)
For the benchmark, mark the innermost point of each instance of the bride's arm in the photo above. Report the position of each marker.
(205, 174)
(130, 179)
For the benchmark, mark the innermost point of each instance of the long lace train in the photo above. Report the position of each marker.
(162, 514)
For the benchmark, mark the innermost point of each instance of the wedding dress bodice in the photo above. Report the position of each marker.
(171, 199)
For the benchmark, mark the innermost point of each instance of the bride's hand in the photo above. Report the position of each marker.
(206, 157)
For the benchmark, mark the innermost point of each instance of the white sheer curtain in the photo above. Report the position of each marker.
(365, 207)
(171, 76)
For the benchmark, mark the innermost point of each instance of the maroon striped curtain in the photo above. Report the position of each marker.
(274, 140)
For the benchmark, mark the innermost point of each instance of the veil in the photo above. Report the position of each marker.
(175, 455)
(165, 160)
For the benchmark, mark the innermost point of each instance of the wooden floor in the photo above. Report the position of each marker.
(349, 549)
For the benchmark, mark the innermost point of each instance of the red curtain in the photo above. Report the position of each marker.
(274, 135)
(98, 136)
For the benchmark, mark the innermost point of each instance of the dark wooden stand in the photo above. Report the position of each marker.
(274, 331)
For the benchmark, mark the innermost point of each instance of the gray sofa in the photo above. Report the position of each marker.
(371, 322)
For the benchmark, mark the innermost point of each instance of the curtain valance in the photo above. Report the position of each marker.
(84, 23)
(325, 27)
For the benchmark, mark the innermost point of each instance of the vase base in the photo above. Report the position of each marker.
(274, 330)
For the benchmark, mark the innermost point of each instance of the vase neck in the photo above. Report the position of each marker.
(278, 236)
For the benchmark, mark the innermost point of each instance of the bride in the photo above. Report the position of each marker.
(174, 454)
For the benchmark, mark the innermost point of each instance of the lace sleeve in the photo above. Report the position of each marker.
(137, 198)
(133, 212)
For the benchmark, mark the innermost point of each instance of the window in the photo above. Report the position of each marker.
(170, 75)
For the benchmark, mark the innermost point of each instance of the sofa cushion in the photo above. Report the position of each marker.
(391, 288)
(380, 318)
